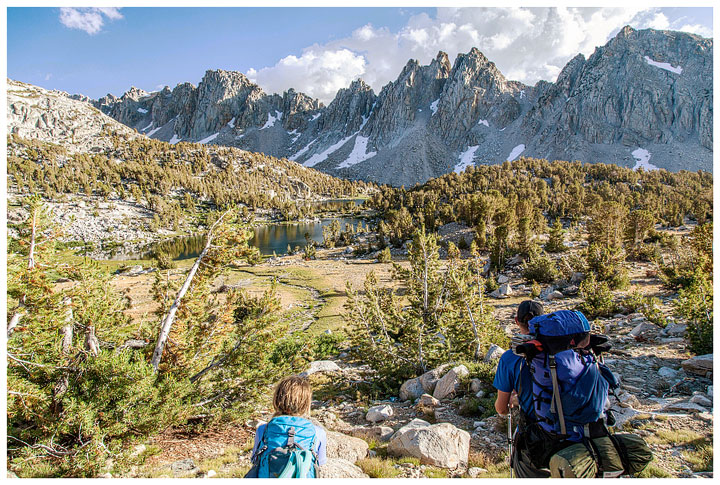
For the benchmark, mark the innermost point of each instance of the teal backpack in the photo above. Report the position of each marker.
(286, 449)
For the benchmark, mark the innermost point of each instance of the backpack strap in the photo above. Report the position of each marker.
(262, 446)
(291, 437)
(556, 394)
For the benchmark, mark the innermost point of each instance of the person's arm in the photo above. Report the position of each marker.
(502, 402)
(322, 446)
(258, 437)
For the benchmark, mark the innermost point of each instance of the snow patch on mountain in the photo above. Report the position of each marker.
(358, 154)
(484, 122)
(466, 159)
(142, 110)
(272, 119)
(642, 160)
(153, 131)
(174, 139)
(209, 138)
(515, 152)
(315, 116)
(664, 65)
(434, 106)
(319, 157)
(301, 151)
(148, 126)
(231, 123)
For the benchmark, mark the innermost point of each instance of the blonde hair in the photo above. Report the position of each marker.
(292, 396)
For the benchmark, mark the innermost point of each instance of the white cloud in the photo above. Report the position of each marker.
(319, 72)
(90, 20)
(527, 44)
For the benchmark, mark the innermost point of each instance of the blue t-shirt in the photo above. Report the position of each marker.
(320, 442)
(512, 371)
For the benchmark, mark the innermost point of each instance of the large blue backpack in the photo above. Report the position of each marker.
(286, 449)
(569, 389)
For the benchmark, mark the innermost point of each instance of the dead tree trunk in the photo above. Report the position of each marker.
(170, 317)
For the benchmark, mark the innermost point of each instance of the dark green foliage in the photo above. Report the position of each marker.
(445, 317)
(384, 256)
(689, 259)
(597, 298)
(648, 306)
(608, 264)
(540, 268)
(695, 304)
(556, 241)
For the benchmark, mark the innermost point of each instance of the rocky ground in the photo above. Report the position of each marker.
(665, 396)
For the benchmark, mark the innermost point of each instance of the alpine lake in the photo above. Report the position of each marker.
(270, 238)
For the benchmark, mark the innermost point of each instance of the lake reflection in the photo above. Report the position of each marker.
(268, 238)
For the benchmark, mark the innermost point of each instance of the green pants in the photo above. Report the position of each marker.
(576, 461)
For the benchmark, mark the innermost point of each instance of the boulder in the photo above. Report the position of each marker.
(644, 331)
(701, 400)
(555, 295)
(475, 471)
(442, 445)
(544, 294)
(411, 390)
(379, 413)
(675, 330)
(378, 433)
(503, 292)
(183, 467)
(503, 279)
(475, 385)
(343, 446)
(701, 364)
(684, 407)
(450, 382)
(493, 353)
(426, 400)
(430, 379)
(667, 372)
(577, 278)
(340, 468)
(321, 366)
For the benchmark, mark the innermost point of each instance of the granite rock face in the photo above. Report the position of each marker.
(643, 99)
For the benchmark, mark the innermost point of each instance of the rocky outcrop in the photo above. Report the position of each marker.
(343, 446)
(450, 382)
(340, 468)
(441, 445)
(55, 117)
(639, 100)
(701, 364)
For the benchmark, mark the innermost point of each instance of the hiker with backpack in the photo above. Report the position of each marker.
(570, 393)
(514, 384)
(290, 445)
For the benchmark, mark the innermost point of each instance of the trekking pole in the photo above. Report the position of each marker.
(510, 441)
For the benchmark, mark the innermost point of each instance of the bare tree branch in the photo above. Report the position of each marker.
(170, 317)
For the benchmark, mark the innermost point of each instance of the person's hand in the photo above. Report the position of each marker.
(514, 401)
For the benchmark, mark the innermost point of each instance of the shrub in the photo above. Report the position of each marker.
(535, 289)
(648, 306)
(325, 345)
(695, 303)
(556, 241)
(540, 268)
(597, 298)
(608, 265)
(384, 256)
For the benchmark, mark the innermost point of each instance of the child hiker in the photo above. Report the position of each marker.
(290, 445)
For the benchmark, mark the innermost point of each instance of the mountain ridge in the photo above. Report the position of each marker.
(644, 92)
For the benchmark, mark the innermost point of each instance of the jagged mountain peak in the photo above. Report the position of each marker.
(644, 90)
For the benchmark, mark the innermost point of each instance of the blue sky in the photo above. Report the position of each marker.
(315, 50)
